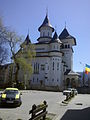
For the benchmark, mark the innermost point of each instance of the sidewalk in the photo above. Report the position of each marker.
(77, 109)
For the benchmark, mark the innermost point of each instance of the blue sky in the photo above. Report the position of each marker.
(22, 15)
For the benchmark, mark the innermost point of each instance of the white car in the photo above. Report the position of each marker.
(75, 91)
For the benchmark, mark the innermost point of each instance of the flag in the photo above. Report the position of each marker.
(87, 69)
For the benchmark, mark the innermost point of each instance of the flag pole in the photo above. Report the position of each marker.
(83, 77)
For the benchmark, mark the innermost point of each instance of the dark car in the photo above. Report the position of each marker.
(11, 96)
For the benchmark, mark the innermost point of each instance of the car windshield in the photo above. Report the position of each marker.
(70, 89)
(11, 92)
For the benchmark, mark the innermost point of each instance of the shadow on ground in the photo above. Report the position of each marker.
(83, 114)
(7, 106)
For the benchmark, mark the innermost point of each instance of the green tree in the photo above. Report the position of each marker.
(23, 58)
(26, 52)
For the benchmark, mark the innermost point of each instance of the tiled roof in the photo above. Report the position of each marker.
(46, 22)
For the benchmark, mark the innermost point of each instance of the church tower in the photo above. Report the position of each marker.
(45, 30)
(68, 42)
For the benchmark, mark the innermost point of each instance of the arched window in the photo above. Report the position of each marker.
(43, 33)
(62, 46)
(53, 65)
(48, 33)
(65, 46)
(68, 46)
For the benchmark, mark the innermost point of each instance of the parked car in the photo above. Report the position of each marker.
(11, 96)
(71, 91)
(75, 91)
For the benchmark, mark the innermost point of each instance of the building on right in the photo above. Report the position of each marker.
(71, 78)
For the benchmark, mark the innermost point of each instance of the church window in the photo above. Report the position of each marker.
(48, 33)
(33, 79)
(42, 67)
(54, 46)
(38, 68)
(65, 46)
(43, 33)
(34, 67)
(37, 79)
(68, 46)
(58, 66)
(48, 67)
(62, 46)
(52, 79)
(53, 65)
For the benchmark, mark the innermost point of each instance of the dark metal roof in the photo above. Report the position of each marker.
(67, 71)
(46, 22)
(55, 38)
(27, 40)
(65, 35)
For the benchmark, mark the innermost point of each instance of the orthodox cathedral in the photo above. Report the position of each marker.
(53, 64)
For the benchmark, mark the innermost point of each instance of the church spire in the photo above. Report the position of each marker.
(46, 23)
(27, 40)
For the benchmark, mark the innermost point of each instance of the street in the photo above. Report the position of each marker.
(54, 101)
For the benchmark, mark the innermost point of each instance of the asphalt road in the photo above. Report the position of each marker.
(79, 103)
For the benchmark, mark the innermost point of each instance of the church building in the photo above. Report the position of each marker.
(53, 64)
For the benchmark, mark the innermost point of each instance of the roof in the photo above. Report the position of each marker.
(55, 38)
(46, 22)
(72, 73)
(65, 35)
(27, 40)
(11, 88)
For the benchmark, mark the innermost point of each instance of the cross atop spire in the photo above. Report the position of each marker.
(47, 11)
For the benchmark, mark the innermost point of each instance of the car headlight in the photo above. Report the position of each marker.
(17, 96)
(3, 95)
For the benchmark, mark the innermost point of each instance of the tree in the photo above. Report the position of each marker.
(24, 59)
(19, 59)
(3, 49)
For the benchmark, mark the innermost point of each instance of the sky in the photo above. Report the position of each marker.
(24, 15)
